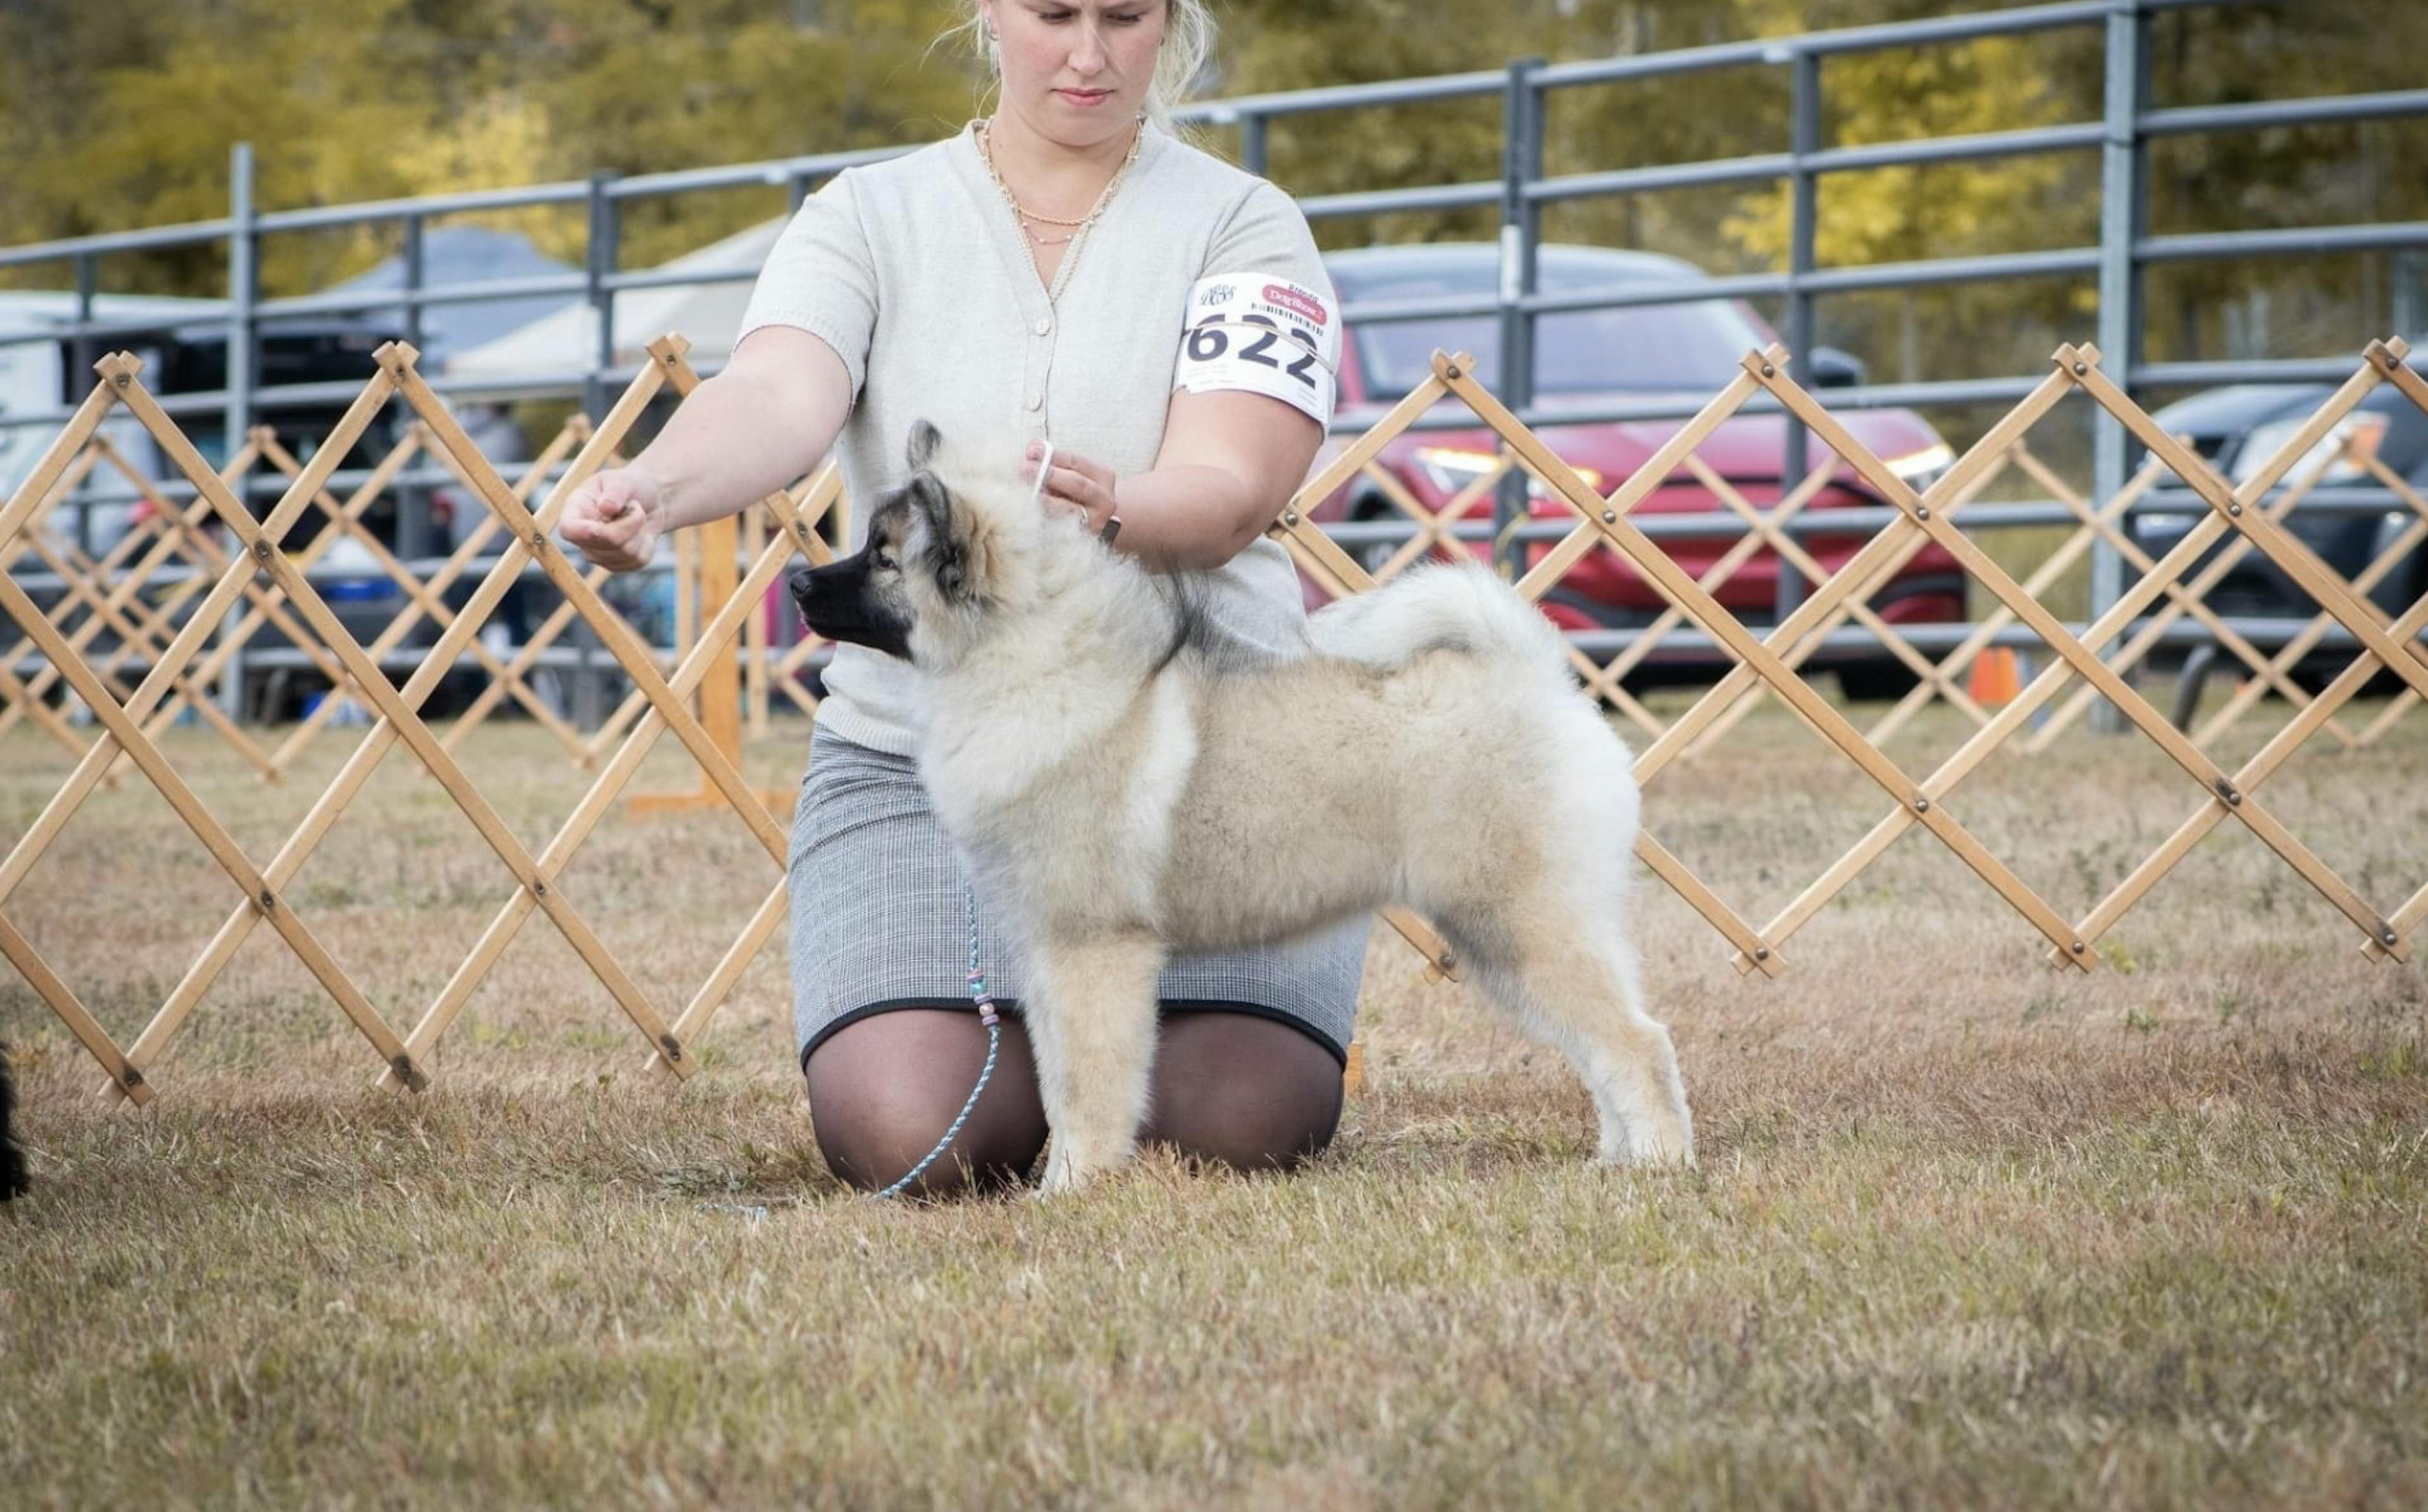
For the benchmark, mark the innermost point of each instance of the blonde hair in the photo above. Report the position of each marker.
(1188, 43)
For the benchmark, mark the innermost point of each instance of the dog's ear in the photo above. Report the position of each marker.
(926, 441)
(950, 526)
(952, 570)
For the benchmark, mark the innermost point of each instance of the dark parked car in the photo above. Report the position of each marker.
(2236, 429)
(1687, 351)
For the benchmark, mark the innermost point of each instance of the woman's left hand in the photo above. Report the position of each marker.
(1074, 483)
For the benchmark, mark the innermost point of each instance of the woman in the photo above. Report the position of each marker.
(1027, 278)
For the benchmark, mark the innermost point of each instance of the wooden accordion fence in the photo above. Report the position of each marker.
(114, 600)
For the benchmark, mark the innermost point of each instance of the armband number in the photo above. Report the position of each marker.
(1261, 335)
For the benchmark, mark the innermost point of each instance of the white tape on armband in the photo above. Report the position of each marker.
(1261, 335)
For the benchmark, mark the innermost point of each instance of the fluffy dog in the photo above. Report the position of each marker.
(12, 1160)
(1126, 790)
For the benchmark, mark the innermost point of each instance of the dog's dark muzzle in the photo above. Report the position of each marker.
(836, 602)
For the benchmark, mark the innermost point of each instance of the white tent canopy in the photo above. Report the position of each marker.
(567, 339)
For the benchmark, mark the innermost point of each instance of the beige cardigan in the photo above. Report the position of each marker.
(914, 271)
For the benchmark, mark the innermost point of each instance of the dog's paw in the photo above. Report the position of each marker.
(1067, 1171)
(1053, 1188)
(1063, 1175)
(1649, 1149)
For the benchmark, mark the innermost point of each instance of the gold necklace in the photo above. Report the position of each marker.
(1023, 215)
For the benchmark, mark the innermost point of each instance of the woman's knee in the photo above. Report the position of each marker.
(884, 1089)
(1249, 1092)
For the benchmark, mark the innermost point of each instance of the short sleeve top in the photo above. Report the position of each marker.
(915, 271)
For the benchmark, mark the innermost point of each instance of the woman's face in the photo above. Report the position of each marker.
(1077, 71)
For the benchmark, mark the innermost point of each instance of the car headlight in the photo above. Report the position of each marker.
(1920, 469)
(2354, 439)
(1449, 469)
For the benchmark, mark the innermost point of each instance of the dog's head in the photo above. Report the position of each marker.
(946, 554)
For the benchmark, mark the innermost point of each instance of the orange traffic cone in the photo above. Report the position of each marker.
(1994, 681)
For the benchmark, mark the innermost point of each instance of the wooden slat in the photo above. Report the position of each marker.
(2148, 636)
(1792, 553)
(2061, 642)
(1887, 551)
(595, 805)
(2181, 602)
(79, 467)
(153, 537)
(2305, 724)
(2324, 585)
(29, 700)
(386, 732)
(517, 667)
(240, 634)
(2051, 568)
(1758, 951)
(793, 535)
(1590, 505)
(199, 819)
(633, 657)
(198, 626)
(810, 499)
(1814, 640)
(140, 639)
(433, 607)
(1729, 561)
(197, 543)
(2129, 605)
(754, 630)
(575, 433)
(34, 491)
(1673, 582)
(1354, 458)
(72, 1012)
(736, 960)
(2287, 657)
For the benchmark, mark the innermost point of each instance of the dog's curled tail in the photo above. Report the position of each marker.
(1439, 607)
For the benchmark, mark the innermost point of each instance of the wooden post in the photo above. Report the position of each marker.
(720, 690)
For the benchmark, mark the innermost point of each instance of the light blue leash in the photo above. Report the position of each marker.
(986, 1016)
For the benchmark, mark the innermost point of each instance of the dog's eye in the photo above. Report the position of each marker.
(883, 559)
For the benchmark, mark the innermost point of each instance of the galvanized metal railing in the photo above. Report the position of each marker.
(2126, 249)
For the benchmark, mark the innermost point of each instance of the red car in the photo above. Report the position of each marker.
(1588, 358)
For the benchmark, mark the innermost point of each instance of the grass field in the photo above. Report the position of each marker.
(1965, 1233)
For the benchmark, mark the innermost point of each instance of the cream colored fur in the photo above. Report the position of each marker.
(1431, 751)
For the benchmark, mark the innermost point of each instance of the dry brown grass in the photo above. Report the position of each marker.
(1965, 1233)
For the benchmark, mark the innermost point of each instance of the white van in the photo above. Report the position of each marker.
(35, 381)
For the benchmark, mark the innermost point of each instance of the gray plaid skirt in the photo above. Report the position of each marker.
(880, 920)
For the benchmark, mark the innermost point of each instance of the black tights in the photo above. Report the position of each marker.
(1231, 1087)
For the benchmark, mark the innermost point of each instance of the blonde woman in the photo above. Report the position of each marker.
(1030, 277)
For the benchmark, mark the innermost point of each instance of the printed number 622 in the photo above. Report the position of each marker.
(1208, 343)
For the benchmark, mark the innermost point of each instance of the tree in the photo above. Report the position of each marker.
(383, 98)
(110, 126)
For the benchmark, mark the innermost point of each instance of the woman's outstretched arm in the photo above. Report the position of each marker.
(761, 423)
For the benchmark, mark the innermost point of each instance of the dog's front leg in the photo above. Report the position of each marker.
(1090, 1014)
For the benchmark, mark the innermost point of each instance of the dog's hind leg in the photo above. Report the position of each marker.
(1572, 981)
(1091, 1012)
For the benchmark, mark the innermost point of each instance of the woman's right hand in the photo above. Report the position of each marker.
(614, 518)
